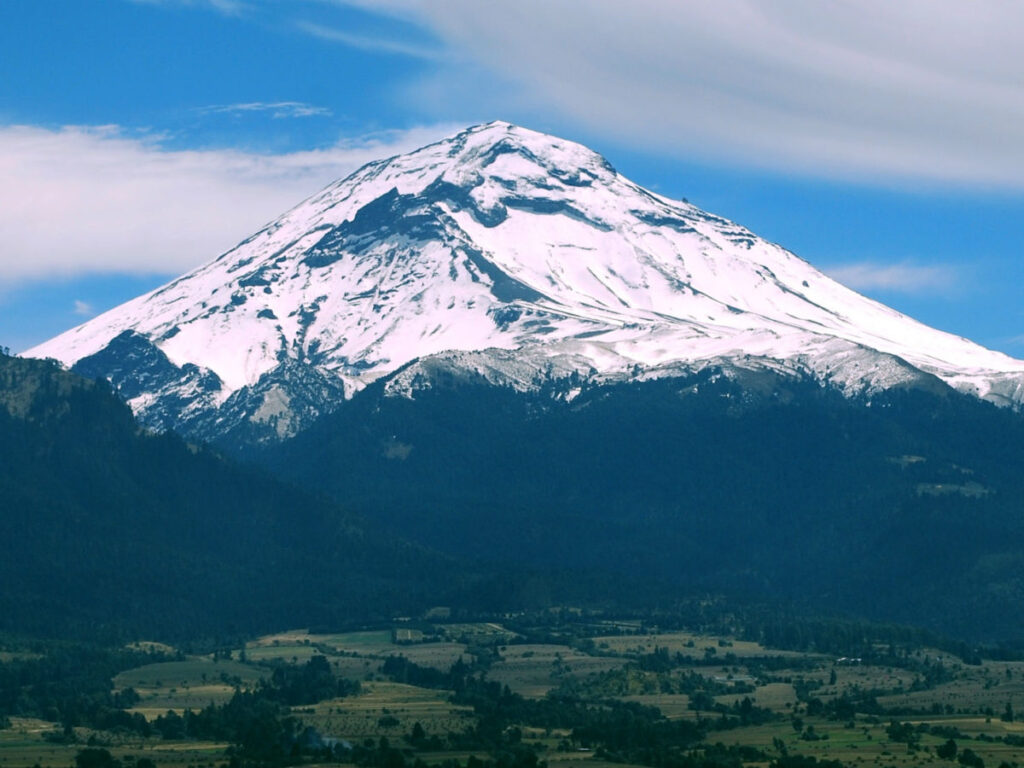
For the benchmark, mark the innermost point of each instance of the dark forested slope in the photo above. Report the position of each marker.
(906, 507)
(107, 529)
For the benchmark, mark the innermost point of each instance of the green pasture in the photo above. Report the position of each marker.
(534, 669)
(688, 644)
(865, 743)
(190, 684)
(387, 709)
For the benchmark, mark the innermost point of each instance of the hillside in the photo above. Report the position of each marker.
(110, 530)
(904, 507)
(498, 347)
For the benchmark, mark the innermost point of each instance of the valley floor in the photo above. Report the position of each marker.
(573, 694)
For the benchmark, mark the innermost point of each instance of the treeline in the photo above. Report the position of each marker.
(616, 730)
(72, 685)
(656, 672)
(258, 724)
(257, 727)
(773, 625)
(793, 629)
(874, 643)
(259, 721)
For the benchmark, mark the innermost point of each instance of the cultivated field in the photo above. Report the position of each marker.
(688, 677)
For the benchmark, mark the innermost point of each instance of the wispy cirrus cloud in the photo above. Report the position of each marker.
(905, 277)
(919, 90)
(370, 43)
(226, 7)
(277, 109)
(80, 200)
(82, 308)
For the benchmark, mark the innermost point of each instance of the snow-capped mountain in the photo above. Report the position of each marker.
(505, 252)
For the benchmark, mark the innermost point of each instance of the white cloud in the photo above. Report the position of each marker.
(897, 278)
(82, 308)
(367, 42)
(82, 200)
(913, 90)
(277, 109)
(227, 7)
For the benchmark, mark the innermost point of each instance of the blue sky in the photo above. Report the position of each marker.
(883, 142)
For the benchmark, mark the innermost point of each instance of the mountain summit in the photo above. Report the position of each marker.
(510, 254)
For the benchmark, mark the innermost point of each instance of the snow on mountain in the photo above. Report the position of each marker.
(510, 253)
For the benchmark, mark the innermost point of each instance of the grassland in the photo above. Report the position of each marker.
(190, 684)
(370, 714)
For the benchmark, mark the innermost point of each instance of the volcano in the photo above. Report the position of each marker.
(505, 253)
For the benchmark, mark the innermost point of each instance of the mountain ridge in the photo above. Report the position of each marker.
(521, 255)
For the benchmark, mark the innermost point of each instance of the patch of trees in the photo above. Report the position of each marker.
(632, 679)
(259, 724)
(258, 728)
(401, 670)
(617, 730)
(73, 685)
(384, 755)
(804, 761)
(96, 757)
(294, 685)
(259, 721)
